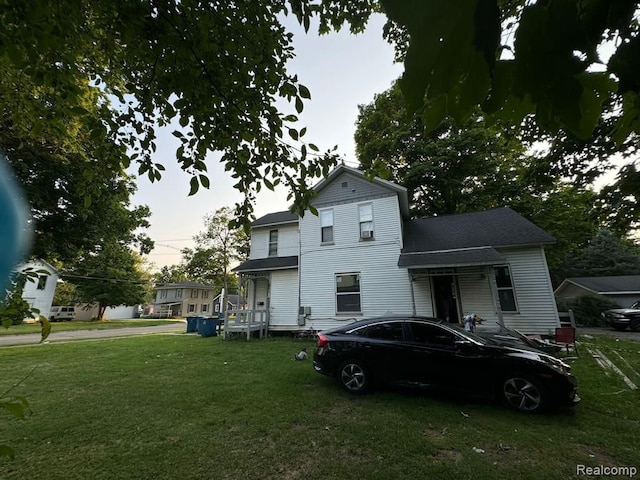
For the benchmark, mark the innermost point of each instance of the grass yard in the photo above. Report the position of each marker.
(73, 325)
(186, 407)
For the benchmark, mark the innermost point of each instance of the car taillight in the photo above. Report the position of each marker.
(323, 341)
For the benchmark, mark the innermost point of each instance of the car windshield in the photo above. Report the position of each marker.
(636, 305)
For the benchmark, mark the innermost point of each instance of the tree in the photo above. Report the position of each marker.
(216, 69)
(217, 246)
(170, 274)
(604, 255)
(65, 294)
(110, 277)
(515, 58)
(13, 308)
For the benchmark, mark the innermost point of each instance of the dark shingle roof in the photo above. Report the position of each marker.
(184, 285)
(275, 219)
(613, 284)
(500, 227)
(269, 263)
(457, 258)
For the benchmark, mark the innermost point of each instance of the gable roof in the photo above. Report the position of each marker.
(467, 239)
(276, 218)
(499, 227)
(612, 285)
(400, 191)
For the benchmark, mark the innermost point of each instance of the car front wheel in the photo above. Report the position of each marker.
(353, 376)
(523, 393)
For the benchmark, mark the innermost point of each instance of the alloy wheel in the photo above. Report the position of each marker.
(353, 377)
(522, 394)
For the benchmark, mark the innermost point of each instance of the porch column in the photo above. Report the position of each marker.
(495, 298)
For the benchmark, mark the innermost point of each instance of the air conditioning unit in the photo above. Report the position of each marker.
(366, 234)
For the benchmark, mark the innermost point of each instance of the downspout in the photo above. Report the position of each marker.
(299, 276)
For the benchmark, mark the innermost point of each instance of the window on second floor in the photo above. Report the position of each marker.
(326, 226)
(178, 293)
(365, 217)
(42, 282)
(205, 294)
(273, 243)
(194, 293)
(163, 294)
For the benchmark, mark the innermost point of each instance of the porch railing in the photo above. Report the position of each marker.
(246, 321)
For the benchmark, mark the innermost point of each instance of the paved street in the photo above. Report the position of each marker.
(34, 339)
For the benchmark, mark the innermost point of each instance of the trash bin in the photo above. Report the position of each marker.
(207, 327)
(192, 324)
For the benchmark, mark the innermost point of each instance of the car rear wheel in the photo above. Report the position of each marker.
(523, 393)
(353, 376)
(620, 328)
(634, 324)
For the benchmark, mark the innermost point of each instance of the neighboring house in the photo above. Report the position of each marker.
(121, 312)
(621, 289)
(234, 302)
(183, 299)
(39, 293)
(363, 256)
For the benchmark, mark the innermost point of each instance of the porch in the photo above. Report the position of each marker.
(246, 322)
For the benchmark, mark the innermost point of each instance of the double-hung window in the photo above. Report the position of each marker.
(273, 243)
(163, 294)
(348, 293)
(326, 226)
(42, 282)
(506, 292)
(365, 216)
(194, 293)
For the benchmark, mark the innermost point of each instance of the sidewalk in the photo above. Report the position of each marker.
(55, 337)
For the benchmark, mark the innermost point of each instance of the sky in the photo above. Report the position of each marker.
(341, 70)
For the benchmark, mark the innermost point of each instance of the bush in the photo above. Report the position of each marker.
(587, 309)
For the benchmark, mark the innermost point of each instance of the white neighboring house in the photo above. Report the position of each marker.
(39, 293)
(363, 256)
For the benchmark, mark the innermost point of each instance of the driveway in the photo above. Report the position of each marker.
(55, 337)
(626, 335)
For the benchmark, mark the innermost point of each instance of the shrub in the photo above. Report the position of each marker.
(587, 309)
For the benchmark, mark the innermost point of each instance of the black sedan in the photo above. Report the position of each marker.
(427, 352)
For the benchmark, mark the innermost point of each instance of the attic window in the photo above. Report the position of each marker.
(345, 184)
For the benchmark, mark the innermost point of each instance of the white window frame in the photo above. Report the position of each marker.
(194, 293)
(326, 221)
(178, 293)
(204, 308)
(365, 221)
(191, 308)
(338, 294)
(205, 294)
(508, 288)
(163, 294)
(273, 244)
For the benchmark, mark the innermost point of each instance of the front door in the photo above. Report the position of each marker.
(445, 296)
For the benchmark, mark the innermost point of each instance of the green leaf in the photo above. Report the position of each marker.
(195, 186)
(204, 180)
(293, 133)
(304, 91)
(299, 105)
(45, 328)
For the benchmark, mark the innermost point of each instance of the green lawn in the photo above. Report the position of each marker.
(187, 407)
(82, 325)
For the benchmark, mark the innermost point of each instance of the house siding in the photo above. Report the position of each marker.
(384, 288)
(287, 241)
(40, 299)
(357, 189)
(423, 297)
(283, 311)
(537, 313)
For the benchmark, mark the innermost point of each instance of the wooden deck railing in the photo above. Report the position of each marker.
(246, 321)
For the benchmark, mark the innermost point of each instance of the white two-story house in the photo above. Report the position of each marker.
(363, 256)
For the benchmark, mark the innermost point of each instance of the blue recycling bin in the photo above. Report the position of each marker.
(207, 327)
(192, 324)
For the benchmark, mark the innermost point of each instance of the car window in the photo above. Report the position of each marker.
(432, 335)
(382, 331)
(636, 305)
